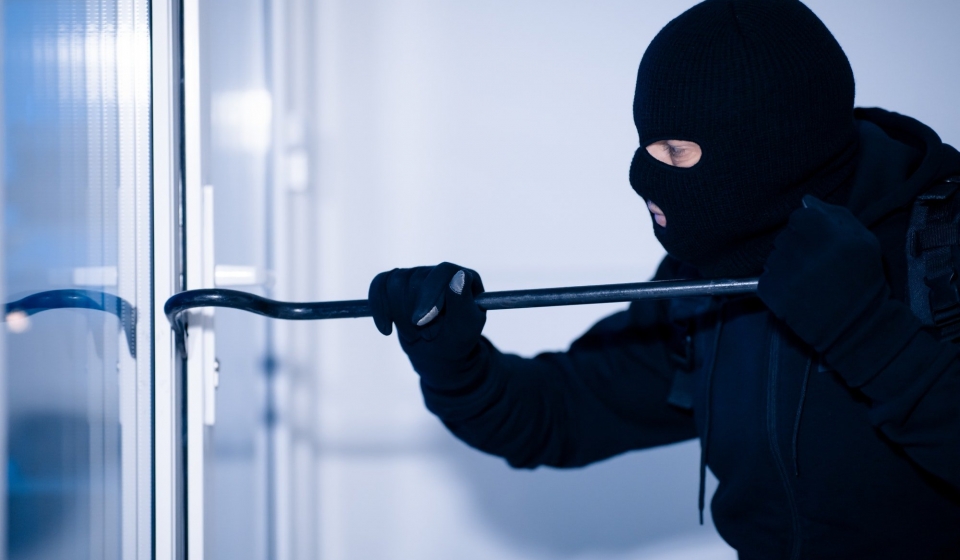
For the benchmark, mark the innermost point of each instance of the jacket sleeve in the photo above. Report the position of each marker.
(913, 382)
(606, 395)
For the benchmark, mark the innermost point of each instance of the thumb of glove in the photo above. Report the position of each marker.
(379, 300)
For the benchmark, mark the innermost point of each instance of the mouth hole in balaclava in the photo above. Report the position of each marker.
(676, 153)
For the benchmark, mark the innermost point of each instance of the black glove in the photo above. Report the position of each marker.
(438, 322)
(825, 274)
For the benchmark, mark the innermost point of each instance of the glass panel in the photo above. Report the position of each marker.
(76, 175)
(237, 142)
(256, 139)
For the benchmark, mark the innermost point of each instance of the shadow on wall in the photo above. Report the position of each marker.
(622, 504)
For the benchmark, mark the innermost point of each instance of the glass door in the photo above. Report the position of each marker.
(78, 279)
(248, 382)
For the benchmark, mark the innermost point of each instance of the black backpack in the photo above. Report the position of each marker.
(933, 259)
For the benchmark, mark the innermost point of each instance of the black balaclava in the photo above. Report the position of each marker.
(767, 92)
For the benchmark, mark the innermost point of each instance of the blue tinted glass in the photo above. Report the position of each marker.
(70, 106)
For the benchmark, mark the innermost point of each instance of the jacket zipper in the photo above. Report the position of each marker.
(774, 443)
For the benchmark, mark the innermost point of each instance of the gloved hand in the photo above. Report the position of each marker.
(824, 274)
(438, 322)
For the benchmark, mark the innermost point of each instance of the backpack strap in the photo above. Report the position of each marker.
(932, 243)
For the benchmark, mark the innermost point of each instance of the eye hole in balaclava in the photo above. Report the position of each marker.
(766, 92)
(676, 153)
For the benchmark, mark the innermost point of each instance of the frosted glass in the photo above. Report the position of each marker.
(76, 170)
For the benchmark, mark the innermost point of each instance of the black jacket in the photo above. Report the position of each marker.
(808, 466)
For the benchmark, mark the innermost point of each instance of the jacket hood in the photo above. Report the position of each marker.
(900, 157)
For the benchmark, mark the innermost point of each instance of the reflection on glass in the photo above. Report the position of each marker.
(71, 101)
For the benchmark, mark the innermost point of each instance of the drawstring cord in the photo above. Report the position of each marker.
(796, 423)
(705, 441)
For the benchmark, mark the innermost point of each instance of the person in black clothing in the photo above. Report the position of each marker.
(829, 413)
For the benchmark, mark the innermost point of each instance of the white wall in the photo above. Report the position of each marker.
(498, 135)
